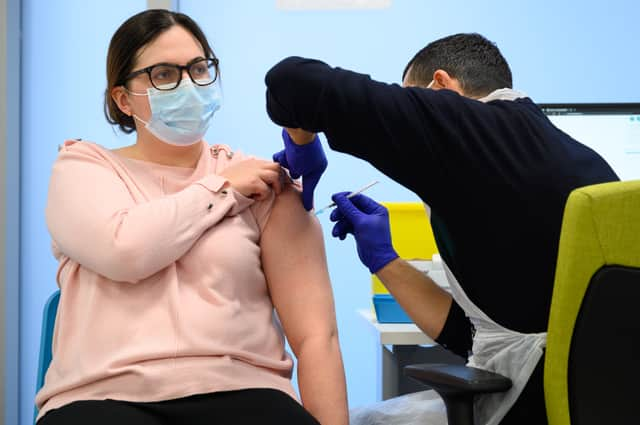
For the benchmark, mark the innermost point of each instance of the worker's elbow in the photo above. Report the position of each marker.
(279, 72)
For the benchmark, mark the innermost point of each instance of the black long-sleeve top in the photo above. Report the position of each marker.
(496, 176)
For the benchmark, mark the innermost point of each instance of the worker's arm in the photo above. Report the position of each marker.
(398, 130)
(428, 305)
(421, 298)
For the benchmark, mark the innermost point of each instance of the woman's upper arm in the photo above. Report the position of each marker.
(294, 263)
(83, 199)
(94, 219)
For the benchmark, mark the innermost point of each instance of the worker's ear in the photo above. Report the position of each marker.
(442, 80)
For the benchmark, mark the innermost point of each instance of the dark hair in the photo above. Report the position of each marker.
(135, 33)
(470, 58)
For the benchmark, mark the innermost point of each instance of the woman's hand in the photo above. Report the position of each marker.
(255, 178)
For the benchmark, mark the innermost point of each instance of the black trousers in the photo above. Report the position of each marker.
(251, 406)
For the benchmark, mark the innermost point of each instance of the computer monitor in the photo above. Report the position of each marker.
(611, 129)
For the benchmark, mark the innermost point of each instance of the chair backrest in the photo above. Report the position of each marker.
(46, 338)
(594, 331)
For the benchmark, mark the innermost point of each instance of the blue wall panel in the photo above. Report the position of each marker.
(63, 64)
(572, 51)
(577, 51)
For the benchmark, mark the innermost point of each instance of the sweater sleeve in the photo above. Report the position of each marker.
(457, 333)
(396, 129)
(94, 220)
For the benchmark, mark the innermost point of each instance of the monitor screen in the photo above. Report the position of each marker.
(611, 129)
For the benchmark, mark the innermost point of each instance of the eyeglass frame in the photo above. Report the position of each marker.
(180, 68)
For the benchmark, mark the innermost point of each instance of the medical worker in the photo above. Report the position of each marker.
(495, 174)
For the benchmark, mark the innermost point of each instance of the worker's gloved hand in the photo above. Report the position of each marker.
(308, 161)
(368, 221)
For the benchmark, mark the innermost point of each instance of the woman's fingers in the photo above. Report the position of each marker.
(256, 178)
(261, 190)
(273, 179)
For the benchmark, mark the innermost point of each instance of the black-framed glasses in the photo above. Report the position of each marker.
(167, 76)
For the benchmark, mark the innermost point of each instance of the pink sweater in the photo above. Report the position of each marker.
(162, 289)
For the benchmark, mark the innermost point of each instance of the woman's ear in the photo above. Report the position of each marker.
(121, 98)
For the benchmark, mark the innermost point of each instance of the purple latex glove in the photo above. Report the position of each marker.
(368, 221)
(308, 161)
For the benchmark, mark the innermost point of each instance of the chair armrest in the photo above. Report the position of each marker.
(458, 385)
(455, 380)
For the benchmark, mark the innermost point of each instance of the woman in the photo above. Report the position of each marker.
(173, 255)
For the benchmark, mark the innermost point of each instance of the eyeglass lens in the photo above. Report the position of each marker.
(167, 77)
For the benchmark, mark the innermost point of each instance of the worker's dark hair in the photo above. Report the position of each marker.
(470, 58)
(127, 42)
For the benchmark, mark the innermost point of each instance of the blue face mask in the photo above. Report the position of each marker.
(182, 116)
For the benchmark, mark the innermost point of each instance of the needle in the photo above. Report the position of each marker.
(333, 204)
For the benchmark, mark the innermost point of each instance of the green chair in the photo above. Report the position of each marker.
(46, 339)
(593, 341)
(594, 334)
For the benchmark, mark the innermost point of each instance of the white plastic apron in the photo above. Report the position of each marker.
(500, 350)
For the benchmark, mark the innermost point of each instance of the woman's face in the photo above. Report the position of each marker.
(177, 46)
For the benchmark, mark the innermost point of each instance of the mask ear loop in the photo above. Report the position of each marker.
(134, 93)
(139, 119)
(137, 94)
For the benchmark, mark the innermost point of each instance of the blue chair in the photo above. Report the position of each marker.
(46, 338)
